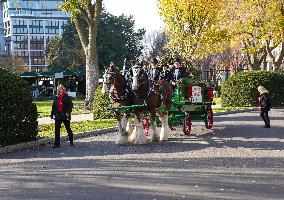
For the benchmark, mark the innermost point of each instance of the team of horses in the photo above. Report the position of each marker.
(138, 93)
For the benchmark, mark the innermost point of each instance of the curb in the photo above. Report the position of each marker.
(44, 141)
(234, 112)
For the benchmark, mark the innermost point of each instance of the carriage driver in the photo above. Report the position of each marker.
(154, 73)
(178, 72)
(167, 72)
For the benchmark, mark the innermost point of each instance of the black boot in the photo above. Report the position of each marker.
(55, 146)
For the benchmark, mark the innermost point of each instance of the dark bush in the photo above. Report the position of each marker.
(18, 115)
(101, 105)
(241, 88)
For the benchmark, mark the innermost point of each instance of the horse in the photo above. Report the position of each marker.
(114, 85)
(160, 96)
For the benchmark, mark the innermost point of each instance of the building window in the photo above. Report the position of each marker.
(20, 30)
(38, 61)
(21, 45)
(37, 46)
(39, 54)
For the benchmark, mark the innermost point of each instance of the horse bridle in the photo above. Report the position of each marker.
(112, 94)
(139, 76)
(141, 72)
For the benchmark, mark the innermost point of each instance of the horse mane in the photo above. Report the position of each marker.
(164, 89)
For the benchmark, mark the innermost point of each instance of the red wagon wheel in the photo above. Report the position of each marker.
(209, 118)
(146, 126)
(187, 125)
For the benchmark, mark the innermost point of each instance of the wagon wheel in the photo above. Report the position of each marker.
(209, 118)
(187, 125)
(146, 126)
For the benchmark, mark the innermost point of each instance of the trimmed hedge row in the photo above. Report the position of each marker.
(18, 115)
(241, 89)
(101, 105)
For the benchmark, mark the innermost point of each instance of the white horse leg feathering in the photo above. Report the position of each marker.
(122, 136)
(140, 138)
(164, 134)
(133, 132)
(129, 128)
(155, 134)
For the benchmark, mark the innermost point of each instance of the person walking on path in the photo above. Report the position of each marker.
(61, 112)
(264, 105)
(34, 91)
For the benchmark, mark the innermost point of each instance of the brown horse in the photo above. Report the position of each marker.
(139, 96)
(119, 96)
(160, 97)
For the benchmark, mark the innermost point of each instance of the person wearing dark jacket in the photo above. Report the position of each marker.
(154, 73)
(166, 74)
(179, 72)
(61, 111)
(264, 105)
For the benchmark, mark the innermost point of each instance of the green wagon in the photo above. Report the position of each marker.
(192, 100)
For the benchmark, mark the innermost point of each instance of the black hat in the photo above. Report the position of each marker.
(177, 60)
(154, 60)
(132, 62)
(111, 63)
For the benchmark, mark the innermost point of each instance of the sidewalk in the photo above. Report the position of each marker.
(75, 118)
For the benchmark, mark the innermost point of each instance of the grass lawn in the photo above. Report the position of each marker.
(224, 109)
(44, 108)
(217, 101)
(47, 130)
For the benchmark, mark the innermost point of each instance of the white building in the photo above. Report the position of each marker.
(29, 26)
(2, 39)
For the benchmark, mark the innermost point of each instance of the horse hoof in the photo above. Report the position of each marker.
(162, 141)
(153, 141)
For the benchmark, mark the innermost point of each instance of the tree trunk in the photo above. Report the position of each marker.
(92, 68)
(92, 77)
(276, 63)
(92, 13)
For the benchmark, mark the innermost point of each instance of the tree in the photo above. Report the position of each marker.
(116, 39)
(13, 64)
(66, 52)
(256, 24)
(154, 44)
(193, 27)
(91, 12)
(275, 31)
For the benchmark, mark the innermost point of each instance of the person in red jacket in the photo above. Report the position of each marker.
(61, 111)
(264, 105)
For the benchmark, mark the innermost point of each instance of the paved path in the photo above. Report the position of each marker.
(238, 160)
(75, 118)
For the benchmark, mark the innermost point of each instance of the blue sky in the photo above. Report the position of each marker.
(145, 12)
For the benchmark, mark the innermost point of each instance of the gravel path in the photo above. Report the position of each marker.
(238, 159)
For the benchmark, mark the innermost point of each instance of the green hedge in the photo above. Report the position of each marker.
(18, 115)
(241, 88)
(100, 106)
